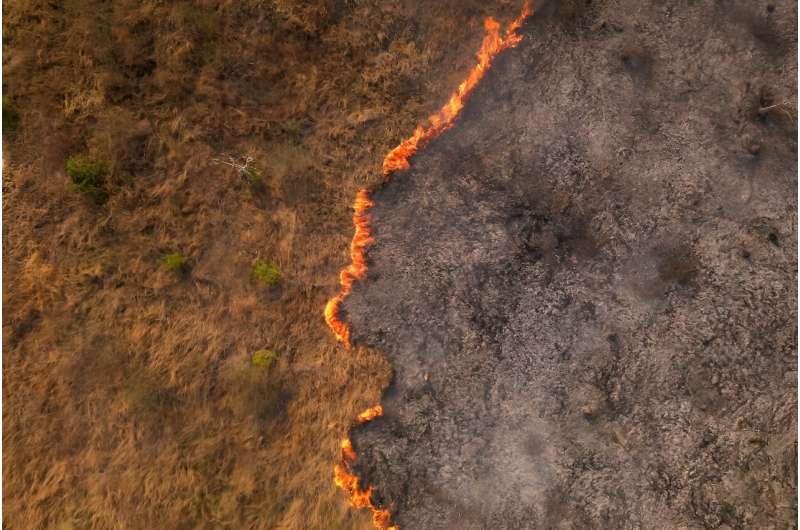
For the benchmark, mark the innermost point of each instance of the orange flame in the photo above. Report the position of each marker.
(398, 159)
(357, 268)
(347, 450)
(493, 43)
(360, 497)
(370, 414)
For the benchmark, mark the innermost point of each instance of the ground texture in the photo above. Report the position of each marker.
(130, 396)
(587, 287)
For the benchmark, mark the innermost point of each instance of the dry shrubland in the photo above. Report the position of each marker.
(131, 399)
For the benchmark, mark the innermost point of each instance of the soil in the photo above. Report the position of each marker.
(587, 287)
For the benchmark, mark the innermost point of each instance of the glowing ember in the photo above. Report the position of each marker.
(370, 414)
(347, 450)
(398, 159)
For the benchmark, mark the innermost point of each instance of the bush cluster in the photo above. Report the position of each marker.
(266, 273)
(87, 175)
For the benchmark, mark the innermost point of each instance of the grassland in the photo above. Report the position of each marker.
(131, 399)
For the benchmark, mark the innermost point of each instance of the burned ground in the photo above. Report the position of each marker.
(587, 287)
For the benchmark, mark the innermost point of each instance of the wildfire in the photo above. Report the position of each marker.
(360, 497)
(493, 43)
(347, 450)
(370, 414)
(357, 268)
(398, 159)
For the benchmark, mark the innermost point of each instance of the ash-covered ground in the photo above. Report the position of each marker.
(587, 287)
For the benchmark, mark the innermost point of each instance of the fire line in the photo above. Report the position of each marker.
(398, 159)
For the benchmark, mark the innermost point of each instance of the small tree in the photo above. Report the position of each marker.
(244, 168)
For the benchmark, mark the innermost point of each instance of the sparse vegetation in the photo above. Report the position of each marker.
(87, 176)
(768, 108)
(266, 273)
(254, 177)
(10, 117)
(157, 90)
(176, 263)
(264, 358)
(246, 169)
(292, 126)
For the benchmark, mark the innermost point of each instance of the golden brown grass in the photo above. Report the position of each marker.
(130, 399)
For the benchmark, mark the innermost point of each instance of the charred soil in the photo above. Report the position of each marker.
(587, 287)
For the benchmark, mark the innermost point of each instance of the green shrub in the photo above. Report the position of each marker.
(266, 273)
(257, 185)
(10, 117)
(264, 358)
(253, 176)
(176, 263)
(292, 126)
(87, 175)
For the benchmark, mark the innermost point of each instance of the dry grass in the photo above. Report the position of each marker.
(130, 397)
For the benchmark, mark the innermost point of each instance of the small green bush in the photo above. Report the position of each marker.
(266, 273)
(10, 117)
(176, 263)
(264, 358)
(292, 126)
(87, 175)
(253, 176)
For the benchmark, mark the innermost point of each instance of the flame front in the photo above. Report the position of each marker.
(398, 159)
(357, 268)
(360, 497)
(370, 414)
(493, 43)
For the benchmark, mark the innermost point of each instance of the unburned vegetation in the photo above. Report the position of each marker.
(133, 396)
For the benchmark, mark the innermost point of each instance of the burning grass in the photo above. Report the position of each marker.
(493, 43)
(398, 159)
(360, 497)
(159, 92)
